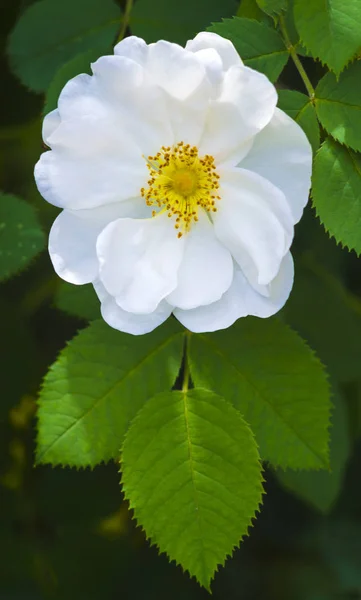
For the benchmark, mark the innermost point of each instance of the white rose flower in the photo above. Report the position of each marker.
(180, 183)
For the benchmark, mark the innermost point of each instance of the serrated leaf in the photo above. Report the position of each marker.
(95, 388)
(338, 105)
(327, 316)
(321, 490)
(79, 64)
(330, 30)
(176, 21)
(50, 33)
(259, 46)
(336, 192)
(78, 300)
(192, 474)
(272, 7)
(299, 107)
(271, 376)
(21, 237)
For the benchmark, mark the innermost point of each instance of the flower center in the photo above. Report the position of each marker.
(181, 182)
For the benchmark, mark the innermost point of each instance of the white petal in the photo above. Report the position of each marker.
(212, 63)
(225, 48)
(72, 239)
(50, 123)
(129, 322)
(81, 182)
(239, 301)
(246, 104)
(283, 154)
(254, 222)
(133, 47)
(206, 270)
(122, 93)
(175, 69)
(139, 261)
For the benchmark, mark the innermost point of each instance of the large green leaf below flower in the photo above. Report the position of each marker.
(192, 474)
(276, 382)
(95, 388)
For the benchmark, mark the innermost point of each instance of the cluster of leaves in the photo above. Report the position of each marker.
(192, 417)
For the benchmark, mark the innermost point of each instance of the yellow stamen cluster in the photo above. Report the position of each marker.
(181, 182)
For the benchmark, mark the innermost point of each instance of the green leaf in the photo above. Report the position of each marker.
(176, 21)
(330, 30)
(271, 376)
(249, 9)
(78, 300)
(321, 490)
(327, 316)
(192, 474)
(272, 7)
(299, 107)
(50, 33)
(338, 105)
(336, 193)
(75, 66)
(95, 388)
(260, 47)
(21, 237)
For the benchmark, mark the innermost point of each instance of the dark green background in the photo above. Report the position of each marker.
(66, 534)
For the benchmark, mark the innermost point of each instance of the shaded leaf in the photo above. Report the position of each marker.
(272, 7)
(330, 30)
(75, 66)
(192, 474)
(299, 107)
(50, 33)
(338, 105)
(95, 388)
(327, 316)
(321, 490)
(336, 192)
(21, 237)
(78, 300)
(176, 21)
(271, 376)
(259, 46)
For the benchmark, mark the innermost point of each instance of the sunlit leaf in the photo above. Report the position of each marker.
(192, 474)
(338, 105)
(336, 192)
(259, 46)
(95, 388)
(271, 376)
(330, 30)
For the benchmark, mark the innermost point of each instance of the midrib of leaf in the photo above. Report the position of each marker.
(354, 163)
(110, 391)
(191, 467)
(267, 55)
(218, 351)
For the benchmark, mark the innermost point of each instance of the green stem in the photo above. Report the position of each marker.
(308, 85)
(125, 21)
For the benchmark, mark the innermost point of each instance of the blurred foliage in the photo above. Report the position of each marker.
(67, 533)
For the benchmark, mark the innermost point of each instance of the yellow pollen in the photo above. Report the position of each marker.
(181, 183)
